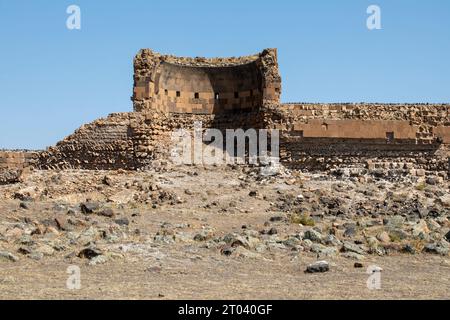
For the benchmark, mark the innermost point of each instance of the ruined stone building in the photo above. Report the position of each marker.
(172, 92)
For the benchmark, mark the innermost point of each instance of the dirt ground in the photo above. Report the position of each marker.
(159, 255)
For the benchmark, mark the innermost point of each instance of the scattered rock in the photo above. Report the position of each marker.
(350, 247)
(100, 259)
(383, 237)
(24, 205)
(447, 236)
(437, 248)
(313, 235)
(8, 256)
(106, 212)
(320, 266)
(89, 253)
(89, 207)
(122, 221)
(61, 222)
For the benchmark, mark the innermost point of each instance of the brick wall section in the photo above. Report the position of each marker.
(132, 140)
(205, 86)
(323, 136)
(17, 160)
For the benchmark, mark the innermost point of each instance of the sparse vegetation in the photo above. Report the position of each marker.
(302, 219)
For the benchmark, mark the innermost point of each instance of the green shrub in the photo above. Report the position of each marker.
(302, 219)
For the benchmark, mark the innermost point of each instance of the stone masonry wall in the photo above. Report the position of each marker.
(205, 86)
(17, 160)
(324, 136)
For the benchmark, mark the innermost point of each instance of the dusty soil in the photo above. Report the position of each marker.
(222, 233)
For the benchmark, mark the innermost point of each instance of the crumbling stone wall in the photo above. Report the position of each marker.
(17, 160)
(324, 136)
(14, 163)
(205, 86)
(133, 140)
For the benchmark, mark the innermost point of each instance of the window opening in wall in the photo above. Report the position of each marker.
(178, 93)
(196, 95)
(236, 95)
(298, 133)
(216, 96)
(166, 92)
(389, 136)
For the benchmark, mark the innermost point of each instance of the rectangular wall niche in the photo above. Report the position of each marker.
(389, 137)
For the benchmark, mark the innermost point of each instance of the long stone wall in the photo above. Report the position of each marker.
(325, 136)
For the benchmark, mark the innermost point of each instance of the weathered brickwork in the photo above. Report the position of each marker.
(205, 86)
(13, 165)
(323, 136)
(17, 159)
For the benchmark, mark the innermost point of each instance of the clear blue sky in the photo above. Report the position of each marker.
(52, 80)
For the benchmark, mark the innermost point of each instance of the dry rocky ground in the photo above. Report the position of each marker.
(224, 233)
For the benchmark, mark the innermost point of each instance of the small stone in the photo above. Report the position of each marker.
(383, 237)
(350, 247)
(204, 235)
(107, 181)
(350, 231)
(320, 266)
(89, 253)
(313, 235)
(407, 248)
(420, 172)
(122, 221)
(89, 207)
(101, 259)
(5, 255)
(420, 229)
(24, 250)
(107, 212)
(155, 269)
(46, 250)
(24, 205)
(438, 248)
(227, 251)
(447, 236)
(253, 193)
(35, 255)
(61, 222)
(276, 219)
(353, 255)
(272, 231)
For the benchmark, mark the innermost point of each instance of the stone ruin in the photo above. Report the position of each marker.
(229, 93)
